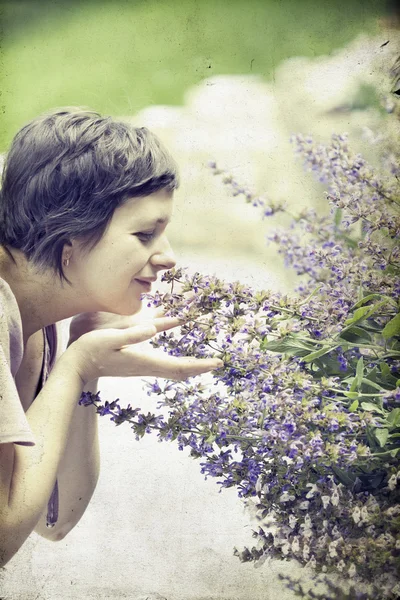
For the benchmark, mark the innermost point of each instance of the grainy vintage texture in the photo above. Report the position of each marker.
(155, 530)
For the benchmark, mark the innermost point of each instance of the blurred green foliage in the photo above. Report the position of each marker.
(122, 55)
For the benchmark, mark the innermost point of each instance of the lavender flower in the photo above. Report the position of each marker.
(304, 418)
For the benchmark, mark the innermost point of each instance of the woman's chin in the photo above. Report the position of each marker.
(126, 307)
(132, 307)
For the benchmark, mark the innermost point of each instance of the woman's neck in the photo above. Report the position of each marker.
(41, 297)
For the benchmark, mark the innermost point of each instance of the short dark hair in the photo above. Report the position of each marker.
(65, 174)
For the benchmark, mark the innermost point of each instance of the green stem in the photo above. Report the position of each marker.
(293, 312)
(360, 395)
(311, 295)
(262, 418)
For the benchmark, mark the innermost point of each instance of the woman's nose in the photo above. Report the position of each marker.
(164, 257)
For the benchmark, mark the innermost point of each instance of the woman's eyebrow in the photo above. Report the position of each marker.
(159, 221)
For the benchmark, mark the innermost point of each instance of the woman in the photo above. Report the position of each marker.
(84, 204)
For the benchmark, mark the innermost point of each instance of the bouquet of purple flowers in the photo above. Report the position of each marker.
(304, 417)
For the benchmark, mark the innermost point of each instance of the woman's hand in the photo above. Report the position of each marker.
(115, 353)
(85, 322)
(90, 321)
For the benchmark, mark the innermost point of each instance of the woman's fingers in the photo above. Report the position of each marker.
(189, 367)
(133, 335)
(159, 312)
(171, 367)
(165, 323)
(161, 323)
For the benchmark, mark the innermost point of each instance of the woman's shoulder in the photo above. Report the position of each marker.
(14, 426)
(11, 339)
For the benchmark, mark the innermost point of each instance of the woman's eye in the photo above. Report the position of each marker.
(145, 236)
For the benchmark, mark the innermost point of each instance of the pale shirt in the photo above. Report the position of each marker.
(14, 426)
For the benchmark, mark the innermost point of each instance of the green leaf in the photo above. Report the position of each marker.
(338, 216)
(366, 299)
(327, 366)
(288, 345)
(364, 312)
(344, 477)
(359, 372)
(372, 384)
(383, 376)
(385, 369)
(393, 418)
(353, 407)
(372, 326)
(325, 350)
(351, 395)
(356, 334)
(358, 315)
(392, 328)
(393, 453)
(370, 437)
(353, 386)
(382, 436)
(370, 407)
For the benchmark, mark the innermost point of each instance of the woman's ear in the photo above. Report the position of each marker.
(66, 253)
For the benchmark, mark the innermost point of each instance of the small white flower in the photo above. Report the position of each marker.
(295, 545)
(314, 490)
(386, 538)
(307, 527)
(373, 504)
(393, 510)
(285, 548)
(335, 498)
(398, 544)
(332, 549)
(304, 505)
(292, 521)
(352, 570)
(325, 500)
(332, 552)
(356, 514)
(341, 565)
(286, 497)
(392, 483)
(312, 563)
(308, 534)
(306, 551)
(396, 590)
(365, 514)
(335, 531)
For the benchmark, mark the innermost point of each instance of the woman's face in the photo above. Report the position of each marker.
(133, 250)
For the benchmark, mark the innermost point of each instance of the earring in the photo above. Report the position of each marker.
(66, 262)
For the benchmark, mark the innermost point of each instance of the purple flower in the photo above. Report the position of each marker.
(307, 396)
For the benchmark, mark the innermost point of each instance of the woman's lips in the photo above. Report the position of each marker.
(146, 285)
